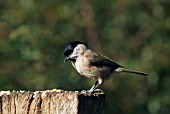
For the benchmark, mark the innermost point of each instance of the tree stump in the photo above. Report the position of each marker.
(51, 102)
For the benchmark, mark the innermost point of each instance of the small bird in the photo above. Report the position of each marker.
(93, 65)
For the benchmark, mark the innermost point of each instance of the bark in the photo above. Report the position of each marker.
(51, 102)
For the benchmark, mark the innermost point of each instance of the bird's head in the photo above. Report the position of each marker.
(72, 50)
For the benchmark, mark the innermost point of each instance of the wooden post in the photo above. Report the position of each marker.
(51, 102)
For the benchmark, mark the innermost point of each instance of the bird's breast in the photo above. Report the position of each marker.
(83, 68)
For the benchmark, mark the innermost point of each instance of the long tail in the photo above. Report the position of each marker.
(121, 69)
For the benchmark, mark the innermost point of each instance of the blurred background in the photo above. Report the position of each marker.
(134, 33)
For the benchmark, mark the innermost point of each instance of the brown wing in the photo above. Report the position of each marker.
(102, 61)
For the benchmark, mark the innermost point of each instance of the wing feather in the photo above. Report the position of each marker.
(102, 61)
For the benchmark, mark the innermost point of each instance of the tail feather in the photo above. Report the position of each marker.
(121, 69)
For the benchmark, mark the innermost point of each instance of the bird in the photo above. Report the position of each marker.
(93, 65)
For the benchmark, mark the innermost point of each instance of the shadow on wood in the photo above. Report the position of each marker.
(51, 102)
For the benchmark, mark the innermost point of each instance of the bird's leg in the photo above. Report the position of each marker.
(92, 89)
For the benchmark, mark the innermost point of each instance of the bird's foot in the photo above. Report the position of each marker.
(98, 90)
(92, 91)
(86, 91)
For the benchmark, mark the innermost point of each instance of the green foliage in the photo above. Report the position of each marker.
(134, 33)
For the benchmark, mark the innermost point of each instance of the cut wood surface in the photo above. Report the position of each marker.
(51, 102)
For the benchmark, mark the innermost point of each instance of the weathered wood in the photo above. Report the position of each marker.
(51, 102)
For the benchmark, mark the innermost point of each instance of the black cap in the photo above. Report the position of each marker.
(70, 47)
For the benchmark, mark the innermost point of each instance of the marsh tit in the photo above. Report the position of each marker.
(93, 65)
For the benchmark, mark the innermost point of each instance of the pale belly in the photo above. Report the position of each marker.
(85, 71)
(91, 71)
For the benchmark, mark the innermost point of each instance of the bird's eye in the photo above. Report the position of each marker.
(77, 49)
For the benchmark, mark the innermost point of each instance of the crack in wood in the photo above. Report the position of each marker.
(30, 101)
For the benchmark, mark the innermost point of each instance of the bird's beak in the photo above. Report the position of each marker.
(72, 58)
(66, 59)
